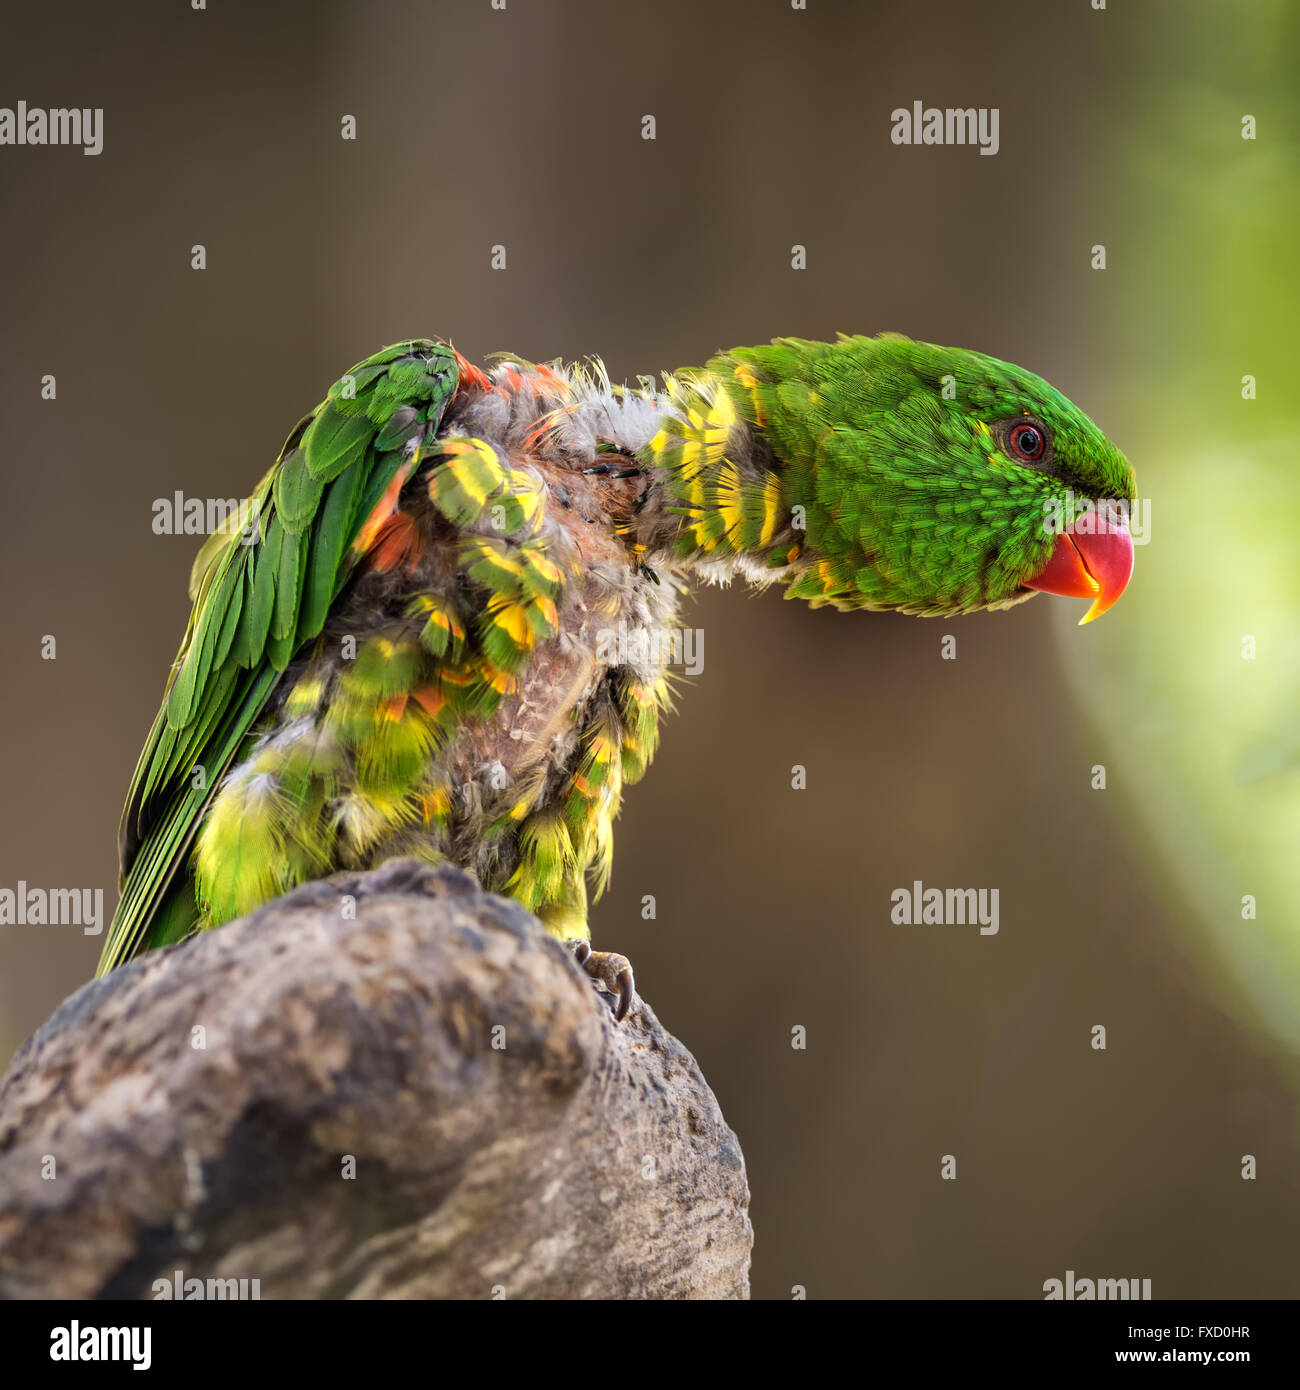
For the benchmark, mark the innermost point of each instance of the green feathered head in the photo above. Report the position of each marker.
(935, 480)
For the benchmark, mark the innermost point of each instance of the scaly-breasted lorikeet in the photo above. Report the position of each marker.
(406, 650)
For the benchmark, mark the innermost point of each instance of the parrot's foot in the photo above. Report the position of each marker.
(613, 971)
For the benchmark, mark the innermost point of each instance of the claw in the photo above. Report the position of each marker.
(626, 989)
(613, 971)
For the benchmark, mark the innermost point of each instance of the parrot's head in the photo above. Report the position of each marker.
(937, 480)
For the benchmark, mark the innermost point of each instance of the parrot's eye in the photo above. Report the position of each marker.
(1027, 441)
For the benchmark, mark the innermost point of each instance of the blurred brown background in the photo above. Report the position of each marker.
(522, 127)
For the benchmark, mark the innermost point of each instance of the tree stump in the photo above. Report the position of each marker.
(384, 1085)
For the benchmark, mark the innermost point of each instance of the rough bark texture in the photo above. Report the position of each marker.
(509, 1139)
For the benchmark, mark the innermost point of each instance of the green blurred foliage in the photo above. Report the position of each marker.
(1203, 292)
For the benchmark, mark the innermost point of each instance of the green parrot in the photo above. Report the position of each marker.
(442, 625)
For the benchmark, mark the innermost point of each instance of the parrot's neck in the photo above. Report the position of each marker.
(718, 505)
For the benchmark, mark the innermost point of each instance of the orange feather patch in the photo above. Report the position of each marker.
(472, 376)
(397, 544)
(383, 509)
(430, 699)
(394, 708)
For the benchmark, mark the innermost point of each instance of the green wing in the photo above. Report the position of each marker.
(256, 605)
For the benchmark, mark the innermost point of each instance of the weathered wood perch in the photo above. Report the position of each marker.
(196, 1111)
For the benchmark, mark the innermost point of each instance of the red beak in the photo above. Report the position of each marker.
(1093, 559)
